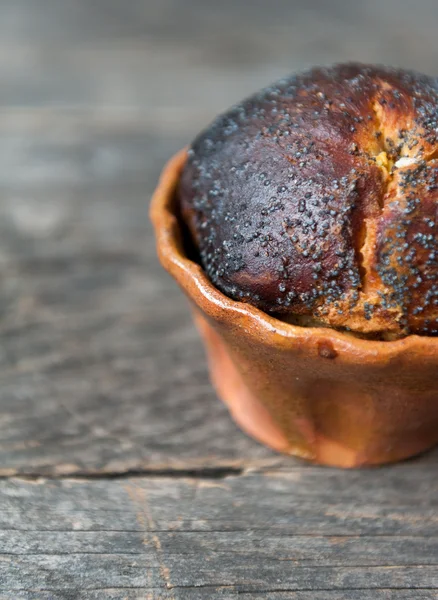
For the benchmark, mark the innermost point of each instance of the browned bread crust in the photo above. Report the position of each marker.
(318, 196)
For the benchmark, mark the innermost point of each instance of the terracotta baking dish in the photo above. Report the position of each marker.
(311, 392)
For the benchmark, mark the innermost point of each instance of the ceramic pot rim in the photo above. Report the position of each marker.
(254, 322)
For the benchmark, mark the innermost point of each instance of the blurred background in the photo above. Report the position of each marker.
(97, 346)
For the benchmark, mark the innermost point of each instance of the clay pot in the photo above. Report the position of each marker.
(311, 392)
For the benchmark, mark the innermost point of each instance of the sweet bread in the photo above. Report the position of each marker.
(316, 200)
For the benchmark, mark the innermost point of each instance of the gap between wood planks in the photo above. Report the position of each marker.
(194, 473)
(201, 472)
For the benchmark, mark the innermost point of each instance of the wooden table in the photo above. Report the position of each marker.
(122, 475)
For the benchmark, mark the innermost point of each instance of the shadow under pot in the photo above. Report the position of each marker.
(311, 392)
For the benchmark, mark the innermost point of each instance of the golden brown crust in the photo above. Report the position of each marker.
(318, 196)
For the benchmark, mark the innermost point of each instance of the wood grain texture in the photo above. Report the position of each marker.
(100, 366)
(222, 593)
(150, 491)
(222, 538)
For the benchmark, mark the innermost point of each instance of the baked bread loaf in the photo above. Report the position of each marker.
(317, 200)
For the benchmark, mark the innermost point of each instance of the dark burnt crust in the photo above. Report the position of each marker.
(298, 202)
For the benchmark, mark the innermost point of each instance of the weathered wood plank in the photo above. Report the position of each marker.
(222, 593)
(333, 520)
(84, 572)
(388, 489)
(186, 546)
(100, 365)
(185, 537)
